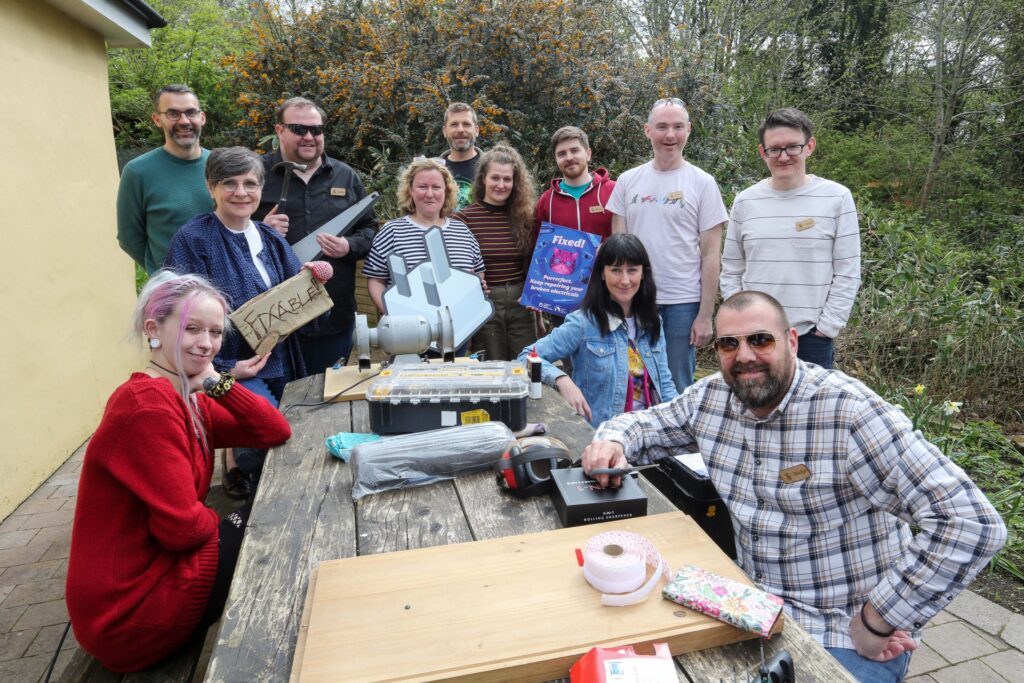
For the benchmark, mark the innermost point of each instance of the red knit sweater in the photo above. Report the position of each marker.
(144, 546)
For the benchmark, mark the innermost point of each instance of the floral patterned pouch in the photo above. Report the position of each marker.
(743, 606)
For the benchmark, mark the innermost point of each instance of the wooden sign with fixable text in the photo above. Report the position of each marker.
(266, 319)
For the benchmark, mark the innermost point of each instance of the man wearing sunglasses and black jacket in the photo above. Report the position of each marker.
(315, 195)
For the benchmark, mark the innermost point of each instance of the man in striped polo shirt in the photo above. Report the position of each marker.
(796, 236)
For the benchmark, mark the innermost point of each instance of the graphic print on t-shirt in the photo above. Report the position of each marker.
(672, 198)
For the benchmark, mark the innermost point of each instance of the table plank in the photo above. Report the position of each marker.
(810, 660)
(302, 515)
(419, 517)
(561, 421)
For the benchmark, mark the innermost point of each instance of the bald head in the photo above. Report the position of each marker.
(668, 102)
(747, 298)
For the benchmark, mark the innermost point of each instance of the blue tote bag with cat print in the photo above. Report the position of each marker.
(560, 269)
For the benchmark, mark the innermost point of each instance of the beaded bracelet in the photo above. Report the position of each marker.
(221, 387)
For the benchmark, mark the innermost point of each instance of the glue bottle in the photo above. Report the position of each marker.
(533, 363)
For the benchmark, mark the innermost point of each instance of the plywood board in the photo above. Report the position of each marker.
(300, 643)
(508, 609)
(349, 384)
(267, 318)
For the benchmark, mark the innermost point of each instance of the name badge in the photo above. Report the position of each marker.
(675, 196)
(339, 191)
(597, 209)
(792, 475)
(804, 224)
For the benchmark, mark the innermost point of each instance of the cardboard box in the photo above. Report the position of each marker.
(579, 500)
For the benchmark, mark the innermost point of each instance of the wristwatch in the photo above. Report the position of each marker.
(209, 383)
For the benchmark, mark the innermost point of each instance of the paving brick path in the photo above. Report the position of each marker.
(973, 640)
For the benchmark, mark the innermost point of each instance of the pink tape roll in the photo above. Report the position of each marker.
(615, 563)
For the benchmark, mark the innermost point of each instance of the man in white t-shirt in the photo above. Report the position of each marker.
(796, 237)
(677, 211)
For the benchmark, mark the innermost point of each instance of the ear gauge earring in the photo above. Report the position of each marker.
(154, 343)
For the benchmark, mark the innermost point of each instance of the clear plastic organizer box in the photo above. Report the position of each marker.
(409, 398)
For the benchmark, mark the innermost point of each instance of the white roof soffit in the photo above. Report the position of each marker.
(122, 23)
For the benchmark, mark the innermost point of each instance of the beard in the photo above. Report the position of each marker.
(462, 144)
(574, 170)
(763, 392)
(186, 136)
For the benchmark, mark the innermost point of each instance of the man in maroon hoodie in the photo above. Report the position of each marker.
(576, 200)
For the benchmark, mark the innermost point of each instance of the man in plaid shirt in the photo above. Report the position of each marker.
(823, 480)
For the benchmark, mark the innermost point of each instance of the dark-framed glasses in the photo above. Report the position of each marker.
(232, 185)
(301, 129)
(664, 101)
(175, 115)
(759, 342)
(790, 150)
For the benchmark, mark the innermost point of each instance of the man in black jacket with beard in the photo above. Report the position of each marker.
(322, 191)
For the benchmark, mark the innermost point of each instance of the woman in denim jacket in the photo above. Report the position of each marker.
(614, 340)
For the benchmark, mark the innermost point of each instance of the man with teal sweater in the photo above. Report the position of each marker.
(164, 188)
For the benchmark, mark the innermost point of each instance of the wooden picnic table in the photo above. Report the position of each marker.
(304, 514)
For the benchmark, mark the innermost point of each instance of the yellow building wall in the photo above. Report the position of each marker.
(67, 288)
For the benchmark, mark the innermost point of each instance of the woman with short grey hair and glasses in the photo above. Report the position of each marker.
(243, 258)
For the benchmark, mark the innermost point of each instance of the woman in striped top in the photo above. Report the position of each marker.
(501, 220)
(428, 194)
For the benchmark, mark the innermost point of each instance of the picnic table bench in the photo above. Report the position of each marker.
(304, 514)
(179, 667)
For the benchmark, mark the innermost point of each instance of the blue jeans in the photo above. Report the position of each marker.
(677, 319)
(870, 671)
(270, 389)
(250, 460)
(814, 349)
(322, 352)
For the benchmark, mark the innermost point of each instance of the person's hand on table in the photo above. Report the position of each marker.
(335, 247)
(604, 455)
(878, 648)
(250, 367)
(573, 396)
(322, 270)
(278, 221)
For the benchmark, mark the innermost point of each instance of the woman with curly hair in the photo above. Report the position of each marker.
(502, 220)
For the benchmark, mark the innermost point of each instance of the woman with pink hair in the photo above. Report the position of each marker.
(150, 563)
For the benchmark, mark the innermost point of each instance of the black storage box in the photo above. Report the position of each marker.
(418, 397)
(694, 494)
(579, 500)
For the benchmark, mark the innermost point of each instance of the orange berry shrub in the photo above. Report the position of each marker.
(385, 72)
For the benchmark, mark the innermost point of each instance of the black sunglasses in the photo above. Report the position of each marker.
(301, 129)
(760, 342)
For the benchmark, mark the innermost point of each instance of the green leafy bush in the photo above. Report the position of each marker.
(933, 310)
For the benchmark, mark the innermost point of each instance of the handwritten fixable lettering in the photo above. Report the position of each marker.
(261, 321)
(269, 317)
